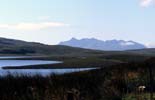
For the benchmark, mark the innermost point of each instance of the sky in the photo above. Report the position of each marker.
(52, 21)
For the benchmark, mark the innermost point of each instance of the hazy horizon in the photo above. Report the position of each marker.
(53, 21)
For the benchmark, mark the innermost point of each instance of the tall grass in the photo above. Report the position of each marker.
(52, 87)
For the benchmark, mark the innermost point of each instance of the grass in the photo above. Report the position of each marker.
(142, 96)
(24, 87)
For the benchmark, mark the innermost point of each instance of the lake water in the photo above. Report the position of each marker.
(4, 63)
(44, 72)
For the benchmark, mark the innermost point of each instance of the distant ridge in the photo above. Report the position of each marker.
(92, 43)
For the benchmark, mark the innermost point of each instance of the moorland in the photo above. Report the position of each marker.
(117, 77)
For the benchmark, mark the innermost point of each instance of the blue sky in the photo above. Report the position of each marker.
(52, 21)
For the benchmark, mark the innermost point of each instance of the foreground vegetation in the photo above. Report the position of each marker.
(143, 96)
(53, 87)
(118, 82)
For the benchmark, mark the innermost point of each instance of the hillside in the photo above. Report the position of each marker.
(147, 51)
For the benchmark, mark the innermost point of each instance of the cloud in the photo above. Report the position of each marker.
(32, 26)
(146, 3)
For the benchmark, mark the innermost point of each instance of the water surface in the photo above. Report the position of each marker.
(44, 72)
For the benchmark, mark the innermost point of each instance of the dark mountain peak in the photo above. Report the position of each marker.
(92, 43)
(73, 39)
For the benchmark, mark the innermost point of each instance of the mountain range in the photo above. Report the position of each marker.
(109, 45)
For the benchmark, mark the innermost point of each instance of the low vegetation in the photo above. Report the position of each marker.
(118, 82)
(53, 87)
